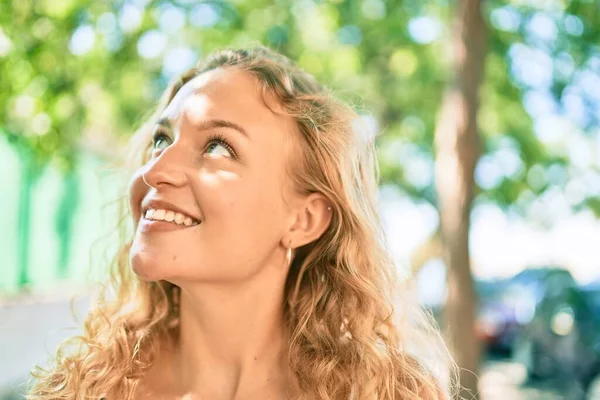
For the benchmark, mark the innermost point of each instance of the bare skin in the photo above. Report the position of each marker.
(231, 267)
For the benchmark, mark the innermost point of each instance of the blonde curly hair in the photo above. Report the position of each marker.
(353, 328)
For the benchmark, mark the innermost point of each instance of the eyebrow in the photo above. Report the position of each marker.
(209, 124)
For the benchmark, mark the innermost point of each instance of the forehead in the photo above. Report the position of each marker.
(230, 94)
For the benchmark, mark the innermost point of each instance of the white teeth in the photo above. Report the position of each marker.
(169, 216)
(179, 218)
(159, 215)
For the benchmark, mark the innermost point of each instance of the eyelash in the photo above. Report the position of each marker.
(213, 137)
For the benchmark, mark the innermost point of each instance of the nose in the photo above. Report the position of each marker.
(165, 170)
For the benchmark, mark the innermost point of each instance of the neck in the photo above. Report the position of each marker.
(231, 340)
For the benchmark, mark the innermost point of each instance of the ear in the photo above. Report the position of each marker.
(312, 216)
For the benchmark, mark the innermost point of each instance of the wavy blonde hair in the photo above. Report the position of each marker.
(354, 329)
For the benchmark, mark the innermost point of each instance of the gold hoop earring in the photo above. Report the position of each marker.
(288, 256)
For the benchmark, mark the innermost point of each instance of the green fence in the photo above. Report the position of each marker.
(53, 223)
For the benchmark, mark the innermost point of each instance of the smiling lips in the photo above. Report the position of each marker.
(169, 216)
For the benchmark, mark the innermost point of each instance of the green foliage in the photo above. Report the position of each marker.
(86, 72)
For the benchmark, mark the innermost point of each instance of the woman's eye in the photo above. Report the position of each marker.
(218, 149)
(218, 145)
(160, 140)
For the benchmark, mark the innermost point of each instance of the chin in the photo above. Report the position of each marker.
(145, 267)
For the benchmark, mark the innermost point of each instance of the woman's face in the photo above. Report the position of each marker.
(219, 157)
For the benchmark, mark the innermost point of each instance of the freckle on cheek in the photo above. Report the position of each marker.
(175, 257)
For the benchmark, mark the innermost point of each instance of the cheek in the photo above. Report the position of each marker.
(252, 203)
(241, 211)
(241, 217)
(254, 219)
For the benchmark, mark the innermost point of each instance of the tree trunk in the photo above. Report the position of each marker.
(457, 145)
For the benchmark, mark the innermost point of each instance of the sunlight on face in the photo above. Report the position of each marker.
(219, 156)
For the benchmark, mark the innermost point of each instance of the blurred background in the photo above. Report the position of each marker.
(486, 117)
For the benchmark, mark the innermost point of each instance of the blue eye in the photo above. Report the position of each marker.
(217, 144)
(214, 145)
(160, 139)
(216, 141)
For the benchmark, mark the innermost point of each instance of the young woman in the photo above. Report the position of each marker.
(257, 267)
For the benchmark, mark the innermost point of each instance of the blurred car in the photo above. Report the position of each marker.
(591, 381)
(496, 325)
(592, 295)
(559, 331)
(505, 306)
